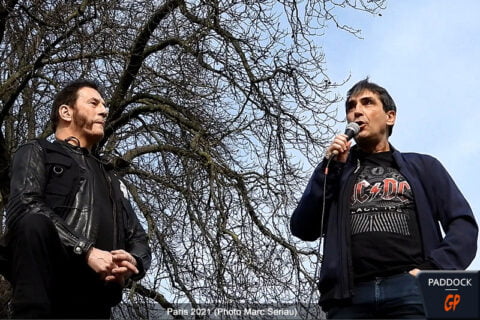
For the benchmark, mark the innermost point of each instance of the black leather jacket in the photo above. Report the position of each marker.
(52, 179)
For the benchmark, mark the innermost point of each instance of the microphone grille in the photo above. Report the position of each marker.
(354, 127)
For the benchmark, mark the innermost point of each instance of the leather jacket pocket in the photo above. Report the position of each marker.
(61, 182)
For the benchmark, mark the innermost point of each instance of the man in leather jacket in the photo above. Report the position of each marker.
(73, 237)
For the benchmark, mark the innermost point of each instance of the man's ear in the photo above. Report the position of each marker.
(391, 117)
(65, 112)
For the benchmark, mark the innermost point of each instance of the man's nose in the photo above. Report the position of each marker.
(104, 111)
(358, 110)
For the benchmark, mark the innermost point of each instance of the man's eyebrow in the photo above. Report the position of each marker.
(97, 100)
(350, 102)
(366, 99)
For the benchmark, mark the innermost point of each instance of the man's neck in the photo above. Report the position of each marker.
(383, 146)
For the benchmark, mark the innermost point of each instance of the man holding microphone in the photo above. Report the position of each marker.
(381, 217)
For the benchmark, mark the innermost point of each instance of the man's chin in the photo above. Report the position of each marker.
(95, 137)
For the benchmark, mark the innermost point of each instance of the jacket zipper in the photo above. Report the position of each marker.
(114, 207)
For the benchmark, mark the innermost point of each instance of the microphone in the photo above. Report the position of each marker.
(351, 131)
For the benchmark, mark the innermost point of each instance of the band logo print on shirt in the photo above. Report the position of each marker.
(381, 202)
(387, 190)
(381, 222)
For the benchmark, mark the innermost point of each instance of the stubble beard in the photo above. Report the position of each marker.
(87, 128)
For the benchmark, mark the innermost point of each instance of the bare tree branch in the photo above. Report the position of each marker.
(217, 108)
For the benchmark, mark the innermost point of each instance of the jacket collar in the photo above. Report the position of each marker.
(73, 148)
(109, 162)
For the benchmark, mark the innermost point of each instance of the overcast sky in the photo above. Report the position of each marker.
(426, 54)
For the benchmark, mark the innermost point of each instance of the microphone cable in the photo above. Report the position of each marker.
(317, 265)
(351, 130)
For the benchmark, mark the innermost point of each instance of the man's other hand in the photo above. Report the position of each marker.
(101, 262)
(126, 265)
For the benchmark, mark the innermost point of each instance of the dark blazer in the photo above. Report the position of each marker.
(437, 199)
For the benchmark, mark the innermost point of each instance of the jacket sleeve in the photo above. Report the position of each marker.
(306, 219)
(27, 186)
(458, 247)
(136, 238)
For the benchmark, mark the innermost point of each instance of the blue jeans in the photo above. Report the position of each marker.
(393, 297)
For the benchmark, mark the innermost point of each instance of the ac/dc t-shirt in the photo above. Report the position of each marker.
(385, 236)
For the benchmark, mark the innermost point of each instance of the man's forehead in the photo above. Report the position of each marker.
(89, 93)
(365, 93)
